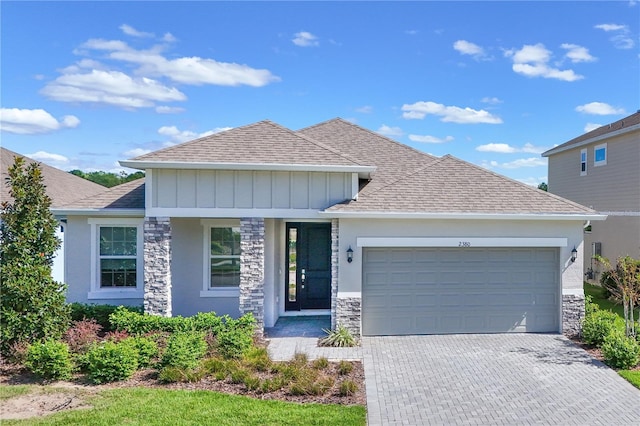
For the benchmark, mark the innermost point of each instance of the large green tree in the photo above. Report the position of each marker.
(108, 179)
(33, 305)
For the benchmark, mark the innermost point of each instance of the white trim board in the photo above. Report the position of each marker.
(461, 242)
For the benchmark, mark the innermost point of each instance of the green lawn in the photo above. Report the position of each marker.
(143, 406)
(597, 293)
(632, 376)
(7, 392)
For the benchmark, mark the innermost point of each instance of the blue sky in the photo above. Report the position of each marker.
(85, 84)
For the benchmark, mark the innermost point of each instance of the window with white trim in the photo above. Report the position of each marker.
(583, 162)
(224, 257)
(117, 258)
(600, 155)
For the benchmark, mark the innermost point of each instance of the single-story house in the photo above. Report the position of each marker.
(62, 188)
(331, 219)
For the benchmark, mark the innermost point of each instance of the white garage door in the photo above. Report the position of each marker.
(451, 290)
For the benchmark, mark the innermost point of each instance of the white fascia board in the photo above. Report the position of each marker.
(232, 213)
(98, 212)
(143, 165)
(594, 139)
(461, 216)
(461, 242)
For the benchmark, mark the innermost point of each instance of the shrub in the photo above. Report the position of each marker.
(116, 336)
(590, 308)
(300, 359)
(239, 375)
(18, 352)
(347, 388)
(252, 383)
(184, 350)
(311, 384)
(620, 351)
(110, 361)
(257, 358)
(232, 343)
(340, 337)
(344, 368)
(147, 349)
(82, 334)
(597, 326)
(272, 385)
(32, 304)
(320, 363)
(99, 313)
(50, 360)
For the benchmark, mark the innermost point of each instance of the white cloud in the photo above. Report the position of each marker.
(169, 110)
(577, 53)
(517, 164)
(599, 108)
(110, 87)
(178, 135)
(504, 148)
(533, 181)
(449, 114)
(491, 100)
(136, 152)
(33, 121)
(591, 126)
(620, 37)
(305, 39)
(129, 30)
(430, 139)
(610, 27)
(365, 109)
(390, 131)
(471, 49)
(533, 61)
(49, 158)
(411, 32)
(169, 38)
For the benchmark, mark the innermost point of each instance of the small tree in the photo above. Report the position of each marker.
(623, 282)
(33, 305)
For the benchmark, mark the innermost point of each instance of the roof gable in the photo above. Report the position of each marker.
(128, 195)
(260, 143)
(62, 187)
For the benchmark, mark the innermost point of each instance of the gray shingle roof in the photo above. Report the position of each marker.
(260, 143)
(62, 187)
(450, 185)
(129, 195)
(623, 123)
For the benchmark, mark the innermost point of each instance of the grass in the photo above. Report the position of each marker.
(7, 392)
(632, 376)
(597, 293)
(142, 406)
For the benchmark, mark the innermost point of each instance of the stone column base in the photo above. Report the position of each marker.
(572, 314)
(348, 314)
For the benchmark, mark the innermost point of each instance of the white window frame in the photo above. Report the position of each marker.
(585, 162)
(97, 292)
(207, 290)
(606, 154)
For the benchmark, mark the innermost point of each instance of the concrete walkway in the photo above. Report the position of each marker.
(506, 379)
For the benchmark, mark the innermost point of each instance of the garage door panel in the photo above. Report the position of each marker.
(449, 290)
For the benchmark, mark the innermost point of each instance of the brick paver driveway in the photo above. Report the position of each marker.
(491, 380)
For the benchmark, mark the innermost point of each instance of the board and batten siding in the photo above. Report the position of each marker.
(611, 187)
(232, 189)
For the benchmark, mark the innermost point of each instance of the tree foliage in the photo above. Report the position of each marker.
(108, 179)
(33, 305)
(543, 186)
(623, 283)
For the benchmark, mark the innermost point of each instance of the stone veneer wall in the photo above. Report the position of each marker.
(157, 266)
(335, 260)
(572, 314)
(349, 313)
(252, 269)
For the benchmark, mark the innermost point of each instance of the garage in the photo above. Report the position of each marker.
(441, 290)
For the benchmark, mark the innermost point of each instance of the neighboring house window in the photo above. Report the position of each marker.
(600, 155)
(117, 252)
(583, 162)
(222, 258)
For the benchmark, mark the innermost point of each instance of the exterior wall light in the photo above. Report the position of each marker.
(574, 254)
(349, 254)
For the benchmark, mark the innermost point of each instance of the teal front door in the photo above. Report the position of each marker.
(308, 281)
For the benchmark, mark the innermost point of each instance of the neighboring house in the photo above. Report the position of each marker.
(601, 169)
(62, 188)
(332, 219)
